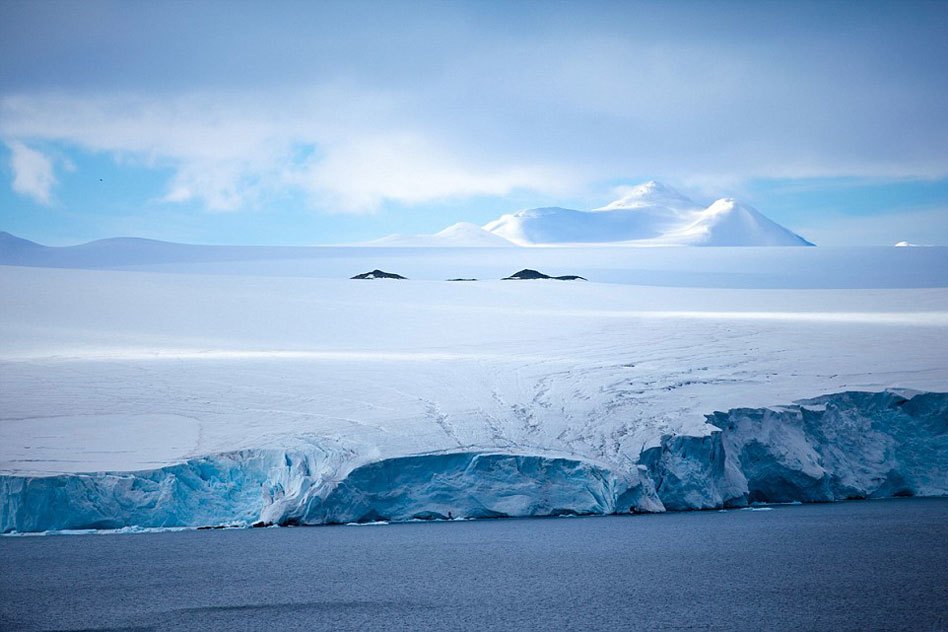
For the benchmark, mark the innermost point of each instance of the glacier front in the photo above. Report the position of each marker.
(836, 447)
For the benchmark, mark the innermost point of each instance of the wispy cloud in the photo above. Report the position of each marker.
(230, 155)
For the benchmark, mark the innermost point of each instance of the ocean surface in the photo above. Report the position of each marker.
(872, 565)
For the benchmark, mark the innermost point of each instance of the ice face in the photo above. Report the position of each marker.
(468, 485)
(848, 445)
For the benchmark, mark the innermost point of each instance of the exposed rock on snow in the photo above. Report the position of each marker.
(528, 274)
(826, 267)
(378, 274)
(849, 445)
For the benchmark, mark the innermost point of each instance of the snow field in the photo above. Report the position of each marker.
(136, 371)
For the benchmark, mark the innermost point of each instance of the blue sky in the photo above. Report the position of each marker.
(299, 123)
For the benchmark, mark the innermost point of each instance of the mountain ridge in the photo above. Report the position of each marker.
(649, 214)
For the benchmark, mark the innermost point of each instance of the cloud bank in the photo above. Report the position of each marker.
(357, 106)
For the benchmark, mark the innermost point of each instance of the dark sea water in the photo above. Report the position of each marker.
(876, 565)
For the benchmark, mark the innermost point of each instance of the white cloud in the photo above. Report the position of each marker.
(231, 154)
(360, 174)
(457, 109)
(33, 174)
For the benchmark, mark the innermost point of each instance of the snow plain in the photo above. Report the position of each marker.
(287, 361)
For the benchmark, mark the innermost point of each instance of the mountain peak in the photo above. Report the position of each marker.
(652, 214)
(729, 205)
(729, 222)
(649, 194)
(653, 185)
(9, 241)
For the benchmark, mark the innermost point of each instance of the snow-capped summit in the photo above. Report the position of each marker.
(649, 214)
(645, 211)
(651, 194)
(462, 234)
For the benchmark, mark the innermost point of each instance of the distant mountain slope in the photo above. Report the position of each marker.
(649, 214)
(14, 250)
(727, 222)
(648, 210)
(121, 252)
(461, 235)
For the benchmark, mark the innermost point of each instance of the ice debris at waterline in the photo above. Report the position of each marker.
(835, 447)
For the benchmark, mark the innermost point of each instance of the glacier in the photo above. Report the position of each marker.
(849, 445)
(195, 391)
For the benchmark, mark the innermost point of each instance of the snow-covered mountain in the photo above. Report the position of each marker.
(16, 250)
(462, 234)
(652, 195)
(728, 222)
(649, 214)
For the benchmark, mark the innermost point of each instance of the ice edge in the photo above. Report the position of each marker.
(843, 446)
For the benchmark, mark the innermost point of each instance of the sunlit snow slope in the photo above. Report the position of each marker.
(648, 215)
(137, 398)
(462, 234)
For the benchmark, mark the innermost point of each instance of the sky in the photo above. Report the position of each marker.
(320, 122)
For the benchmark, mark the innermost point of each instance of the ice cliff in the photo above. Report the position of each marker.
(847, 445)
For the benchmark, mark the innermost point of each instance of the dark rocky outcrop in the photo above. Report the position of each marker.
(378, 274)
(528, 274)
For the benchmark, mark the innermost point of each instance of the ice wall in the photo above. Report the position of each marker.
(219, 489)
(273, 487)
(477, 485)
(848, 445)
